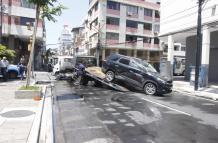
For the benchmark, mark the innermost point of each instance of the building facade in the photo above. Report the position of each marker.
(128, 27)
(178, 23)
(17, 14)
(80, 46)
(65, 42)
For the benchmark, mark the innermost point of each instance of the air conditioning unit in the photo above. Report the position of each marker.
(129, 13)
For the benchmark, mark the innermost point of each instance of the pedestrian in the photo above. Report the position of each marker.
(5, 61)
(21, 70)
(4, 65)
(22, 60)
(80, 73)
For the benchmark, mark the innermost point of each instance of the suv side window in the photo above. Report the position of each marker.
(124, 61)
(134, 65)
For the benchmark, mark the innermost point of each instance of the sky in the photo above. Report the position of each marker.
(73, 16)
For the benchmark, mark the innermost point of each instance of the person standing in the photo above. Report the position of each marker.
(4, 66)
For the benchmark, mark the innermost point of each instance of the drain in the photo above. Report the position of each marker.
(17, 113)
(70, 97)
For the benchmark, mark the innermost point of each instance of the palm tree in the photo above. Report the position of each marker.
(44, 9)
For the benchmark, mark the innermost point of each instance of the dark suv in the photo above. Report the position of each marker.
(136, 73)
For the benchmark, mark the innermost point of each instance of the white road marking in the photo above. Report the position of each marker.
(162, 105)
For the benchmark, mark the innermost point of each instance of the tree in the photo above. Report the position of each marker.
(5, 52)
(44, 9)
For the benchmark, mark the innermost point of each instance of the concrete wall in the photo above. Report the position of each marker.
(191, 52)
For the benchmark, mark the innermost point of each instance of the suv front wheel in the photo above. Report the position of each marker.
(110, 75)
(150, 88)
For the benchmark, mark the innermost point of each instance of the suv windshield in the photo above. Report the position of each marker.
(144, 65)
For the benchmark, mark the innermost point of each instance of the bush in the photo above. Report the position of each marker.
(5, 52)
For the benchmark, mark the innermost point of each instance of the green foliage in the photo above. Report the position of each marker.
(49, 8)
(5, 52)
(29, 88)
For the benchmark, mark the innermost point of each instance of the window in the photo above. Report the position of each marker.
(176, 48)
(124, 61)
(113, 57)
(132, 10)
(156, 41)
(157, 14)
(148, 12)
(26, 4)
(148, 26)
(131, 38)
(113, 5)
(25, 20)
(183, 48)
(131, 24)
(147, 40)
(113, 21)
(112, 36)
(157, 28)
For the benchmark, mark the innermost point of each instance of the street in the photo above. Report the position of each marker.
(87, 114)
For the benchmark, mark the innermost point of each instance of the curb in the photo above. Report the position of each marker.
(35, 129)
(197, 94)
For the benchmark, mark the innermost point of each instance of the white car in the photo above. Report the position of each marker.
(62, 64)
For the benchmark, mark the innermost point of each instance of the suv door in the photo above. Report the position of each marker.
(122, 69)
(136, 74)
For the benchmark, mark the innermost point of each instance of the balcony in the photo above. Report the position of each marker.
(156, 46)
(111, 42)
(131, 44)
(131, 30)
(147, 45)
(148, 18)
(157, 19)
(137, 1)
(113, 12)
(145, 3)
(147, 32)
(132, 15)
(112, 27)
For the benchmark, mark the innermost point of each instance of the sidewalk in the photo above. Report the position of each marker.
(211, 92)
(16, 115)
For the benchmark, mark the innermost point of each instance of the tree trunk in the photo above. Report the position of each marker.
(31, 58)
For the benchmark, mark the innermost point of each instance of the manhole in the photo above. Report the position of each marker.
(17, 113)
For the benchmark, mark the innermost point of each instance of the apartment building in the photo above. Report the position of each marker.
(80, 46)
(16, 15)
(65, 42)
(178, 24)
(128, 27)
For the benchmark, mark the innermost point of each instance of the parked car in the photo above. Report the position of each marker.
(12, 72)
(136, 73)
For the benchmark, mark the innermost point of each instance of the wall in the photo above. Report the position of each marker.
(190, 56)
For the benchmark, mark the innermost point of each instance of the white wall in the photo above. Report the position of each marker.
(177, 15)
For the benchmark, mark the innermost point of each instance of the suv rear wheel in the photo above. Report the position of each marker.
(110, 75)
(150, 88)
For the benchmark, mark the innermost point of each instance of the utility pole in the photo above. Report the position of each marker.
(199, 45)
(1, 22)
(98, 47)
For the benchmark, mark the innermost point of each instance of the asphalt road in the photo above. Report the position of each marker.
(87, 114)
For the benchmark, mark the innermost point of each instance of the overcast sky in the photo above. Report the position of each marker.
(73, 16)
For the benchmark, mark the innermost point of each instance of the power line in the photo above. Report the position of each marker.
(178, 13)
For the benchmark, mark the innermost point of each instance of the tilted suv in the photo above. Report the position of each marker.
(136, 73)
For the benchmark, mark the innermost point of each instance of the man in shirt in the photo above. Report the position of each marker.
(3, 65)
